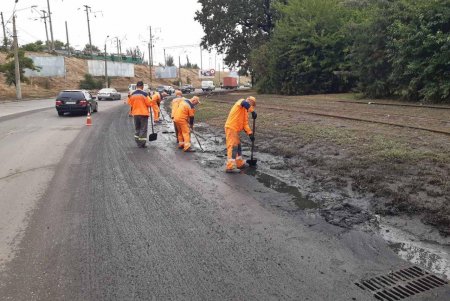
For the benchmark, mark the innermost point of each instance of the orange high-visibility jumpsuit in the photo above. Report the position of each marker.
(174, 106)
(156, 100)
(139, 103)
(236, 122)
(184, 119)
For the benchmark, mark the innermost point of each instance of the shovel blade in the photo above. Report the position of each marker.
(252, 162)
(153, 137)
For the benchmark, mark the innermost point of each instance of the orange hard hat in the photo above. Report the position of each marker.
(178, 93)
(195, 98)
(252, 100)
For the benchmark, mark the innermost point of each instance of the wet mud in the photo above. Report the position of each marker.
(349, 201)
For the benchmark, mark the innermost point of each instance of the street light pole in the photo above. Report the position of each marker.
(89, 27)
(150, 54)
(106, 67)
(49, 46)
(50, 22)
(67, 37)
(16, 61)
(5, 40)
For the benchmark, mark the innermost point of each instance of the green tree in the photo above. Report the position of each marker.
(169, 61)
(37, 46)
(419, 50)
(8, 68)
(308, 51)
(235, 27)
(87, 48)
(90, 83)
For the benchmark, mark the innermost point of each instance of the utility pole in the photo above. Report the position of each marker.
(46, 31)
(179, 70)
(50, 22)
(117, 46)
(165, 59)
(106, 70)
(5, 40)
(67, 38)
(87, 8)
(201, 59)
(16, 61)
(150, 54)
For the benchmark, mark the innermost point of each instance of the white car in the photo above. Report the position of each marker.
(108, 93)
(169, 89)
(132, 88)
(208, 85)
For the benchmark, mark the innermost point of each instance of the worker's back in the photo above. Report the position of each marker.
(139, 102)
(184, 111)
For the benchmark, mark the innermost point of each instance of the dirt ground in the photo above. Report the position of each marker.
(360, 157)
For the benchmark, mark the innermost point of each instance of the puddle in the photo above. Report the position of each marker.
(433, 257)
(280, 186)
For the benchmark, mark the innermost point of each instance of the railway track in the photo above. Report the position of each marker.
(394, 104)
(309, 112)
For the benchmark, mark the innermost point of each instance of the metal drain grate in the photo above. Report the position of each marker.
(401, 284)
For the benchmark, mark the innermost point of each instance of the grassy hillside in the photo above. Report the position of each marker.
(77, 68)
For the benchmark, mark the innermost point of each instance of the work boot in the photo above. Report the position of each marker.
(234, 170)
(189, 150)
(245, 165)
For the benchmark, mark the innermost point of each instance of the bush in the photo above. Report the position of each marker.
(90, 83)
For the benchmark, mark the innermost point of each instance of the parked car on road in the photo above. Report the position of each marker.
(132, 88)
(108, 93)
(168, 89)
(75, 101)
(187, 89)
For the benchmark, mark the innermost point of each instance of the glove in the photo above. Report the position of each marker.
(252, 137)
(254, 115)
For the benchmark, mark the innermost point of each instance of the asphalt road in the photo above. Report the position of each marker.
(105, 220)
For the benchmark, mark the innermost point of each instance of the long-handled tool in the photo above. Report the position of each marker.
(161, 113)
(198, 141)
(153, 136)
(252, 161)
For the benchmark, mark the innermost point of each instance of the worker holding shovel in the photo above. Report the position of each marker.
(236, 122)
(156, 99)
(174, 106)
(140, 102)
(184, 121)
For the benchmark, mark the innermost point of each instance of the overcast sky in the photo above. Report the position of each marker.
(172, 23)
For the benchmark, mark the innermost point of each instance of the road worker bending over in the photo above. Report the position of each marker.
(139, 102)
(156, 100)
(174, 106)
(184, 121)
(236, 122)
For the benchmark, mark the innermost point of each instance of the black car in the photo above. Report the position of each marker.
(75, 101)
(187, 89)
(161, 89)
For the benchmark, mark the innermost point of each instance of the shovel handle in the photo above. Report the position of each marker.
(151, 118)
(253, 142)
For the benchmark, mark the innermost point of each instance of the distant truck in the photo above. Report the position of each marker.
(229, 82)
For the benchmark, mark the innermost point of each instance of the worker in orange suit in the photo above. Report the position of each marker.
(184, 122)
(156, 98)
(174, 106)
(140, 102)
(236, 122)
